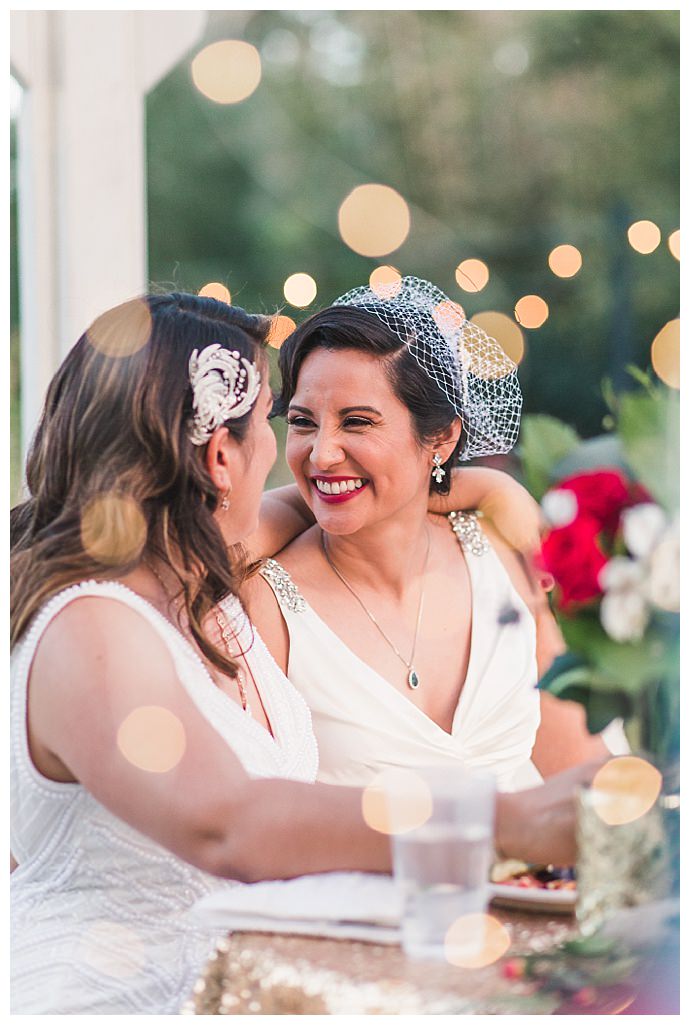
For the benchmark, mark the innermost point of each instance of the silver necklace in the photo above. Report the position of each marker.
(413, 680)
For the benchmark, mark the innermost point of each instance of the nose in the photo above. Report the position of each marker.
(326, 451)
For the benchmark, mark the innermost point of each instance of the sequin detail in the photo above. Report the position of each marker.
(283, 586)
(465, 526)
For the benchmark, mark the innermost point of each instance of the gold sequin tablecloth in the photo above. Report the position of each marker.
(269, 973)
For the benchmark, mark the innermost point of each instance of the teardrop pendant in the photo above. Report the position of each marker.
(412, 680)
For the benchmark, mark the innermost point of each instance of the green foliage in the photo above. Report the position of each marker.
(649, 429)
(544, 441)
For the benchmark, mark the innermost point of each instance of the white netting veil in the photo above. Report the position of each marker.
(469, 367)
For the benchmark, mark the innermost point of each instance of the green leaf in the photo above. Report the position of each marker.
(649, 429)
(590, 946)
(544, 441)
(626, 667)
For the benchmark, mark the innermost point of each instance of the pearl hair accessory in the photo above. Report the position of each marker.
(224, 385)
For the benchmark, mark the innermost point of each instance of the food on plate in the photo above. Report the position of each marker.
(533, 877)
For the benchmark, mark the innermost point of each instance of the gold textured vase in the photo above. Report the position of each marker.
(618, 866)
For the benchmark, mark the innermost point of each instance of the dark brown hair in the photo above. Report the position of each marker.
(346, 327)
(116, 424)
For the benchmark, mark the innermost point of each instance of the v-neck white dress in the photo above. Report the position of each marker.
(364, 725)
(100, 921)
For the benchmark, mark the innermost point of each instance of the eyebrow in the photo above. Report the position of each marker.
(343, 412)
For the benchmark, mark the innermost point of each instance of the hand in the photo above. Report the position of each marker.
(538, 825)
(516, 516)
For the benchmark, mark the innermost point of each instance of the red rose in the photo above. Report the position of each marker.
(602, 495)
(572, 554)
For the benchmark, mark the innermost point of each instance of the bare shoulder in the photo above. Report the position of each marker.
(263, 610)
(92, 639)
(303, 555)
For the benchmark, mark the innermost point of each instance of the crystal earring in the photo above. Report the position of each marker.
(225, 503)
(438, 473)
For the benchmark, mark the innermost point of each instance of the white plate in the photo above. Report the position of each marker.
(533, 899)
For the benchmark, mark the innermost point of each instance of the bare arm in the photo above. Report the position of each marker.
(509, 506)
(284, 513)
(100, 661)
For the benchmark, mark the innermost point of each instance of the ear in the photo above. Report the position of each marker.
(222, 454)
(445, 441)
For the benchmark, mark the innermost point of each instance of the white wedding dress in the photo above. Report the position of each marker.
(100, 912)
(364, 725)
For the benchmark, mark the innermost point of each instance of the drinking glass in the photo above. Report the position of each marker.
(442, 863)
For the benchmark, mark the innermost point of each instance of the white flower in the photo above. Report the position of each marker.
(620, 573)
(559, 507)
(624, 615)
(663, 581)
(642, 527)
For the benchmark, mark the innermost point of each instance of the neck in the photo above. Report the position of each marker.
(387, 555)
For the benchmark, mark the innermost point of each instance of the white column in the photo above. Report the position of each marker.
(82, 210)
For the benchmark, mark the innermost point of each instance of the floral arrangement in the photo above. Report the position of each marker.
(612, 546)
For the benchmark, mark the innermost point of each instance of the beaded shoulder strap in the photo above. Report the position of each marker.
(465, 526)
(283, 586)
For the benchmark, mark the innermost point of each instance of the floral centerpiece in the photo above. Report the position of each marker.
(612, 547)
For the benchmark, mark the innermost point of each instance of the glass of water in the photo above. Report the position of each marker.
(442, 863)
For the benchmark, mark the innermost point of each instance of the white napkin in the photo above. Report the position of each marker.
(345, 905)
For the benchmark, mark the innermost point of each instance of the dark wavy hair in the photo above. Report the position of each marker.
(346, 327)
(116, 423)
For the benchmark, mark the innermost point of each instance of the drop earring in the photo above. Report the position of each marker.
(225, 503)
(438, 473)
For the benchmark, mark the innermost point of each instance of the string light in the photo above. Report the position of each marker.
(644, 236)
(665, 354)
(300, 289)
(281, 328)
(674, 243)
(397, 801)
(531, 311)
(565, 261)
(227, 71)
(374, 220)
(472, 275)
(215, 290)
(385, 281)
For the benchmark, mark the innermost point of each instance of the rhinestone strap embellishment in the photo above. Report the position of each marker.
(283, 585)
(466, 528)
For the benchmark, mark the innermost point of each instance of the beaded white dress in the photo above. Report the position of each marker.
(364, 725)
(100, 921)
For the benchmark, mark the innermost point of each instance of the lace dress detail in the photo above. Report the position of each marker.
(100, 921)
(364, 725)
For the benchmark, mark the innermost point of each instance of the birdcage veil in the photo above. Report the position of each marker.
(471, 369)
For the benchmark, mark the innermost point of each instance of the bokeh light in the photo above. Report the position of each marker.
(122, 331)
(152, 738)
(227, 71)
(472, 275)
(396, 801)
(475, 941)
(374, 220)
(113, 529)
(216, 290)
(626, 788)
(666, 354)
(113, 949)
(565, 261)
(531, 311)
(300, 289)
(385, 281)
(280, 329)
(449, 316)
(674, 243)
(504, 330)
(644, 236)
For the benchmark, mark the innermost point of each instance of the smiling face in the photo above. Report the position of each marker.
(351, 442)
